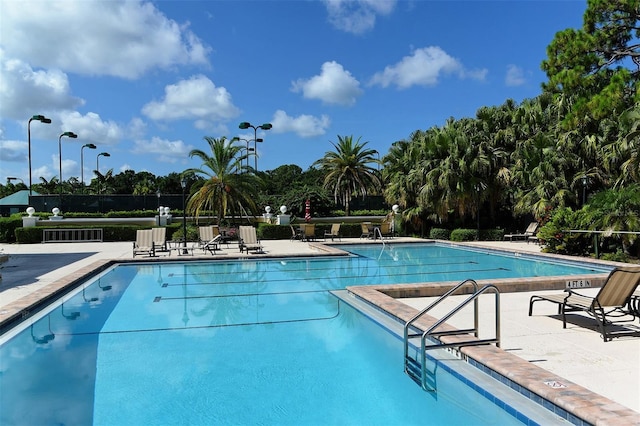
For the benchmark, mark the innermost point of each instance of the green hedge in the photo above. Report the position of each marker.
(110, 233)
(461, 234)
(8, 226)
(439, 233)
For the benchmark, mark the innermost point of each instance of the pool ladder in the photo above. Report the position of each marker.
(416, 366)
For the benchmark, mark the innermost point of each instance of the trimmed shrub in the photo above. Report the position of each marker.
(8, 226)
(492, 234)
(439, 234)
(461, 234)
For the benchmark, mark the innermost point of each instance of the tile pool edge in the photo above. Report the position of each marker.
(33, 302)
(577, 401)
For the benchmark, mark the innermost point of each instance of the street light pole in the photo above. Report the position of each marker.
(69, 135)
(42, 119)
(584, 189)
(245, 125)
(104, 154)
(90, 146)
(248, 149)
(183, 184)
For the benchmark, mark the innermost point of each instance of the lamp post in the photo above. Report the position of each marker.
(585, 180)
(10, 178)
(245, 125)
(183, 184)
(69, 135)
(478, 212)
(42, 119)
(90, 146)
(103, 154)
(248, 149)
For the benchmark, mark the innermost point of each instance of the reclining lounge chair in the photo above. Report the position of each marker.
(529, 234)
(249, 240)
(611, 301)
(143, 243)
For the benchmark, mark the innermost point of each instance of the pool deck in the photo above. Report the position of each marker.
(576, 357)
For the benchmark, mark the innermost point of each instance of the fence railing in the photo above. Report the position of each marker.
(72, 235)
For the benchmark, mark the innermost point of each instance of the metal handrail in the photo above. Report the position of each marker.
(430, 332)
(435, 303)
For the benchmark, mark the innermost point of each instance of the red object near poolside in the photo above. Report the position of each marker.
(307, 211)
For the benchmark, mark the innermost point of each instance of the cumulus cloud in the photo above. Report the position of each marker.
(357, 16)
(194, 99)
(163, 150)
(334, 85)
(13, 151)
(305, 126)
(24, 90)
(424, 67)
(515, 76)
(90, 128)
(120, 38)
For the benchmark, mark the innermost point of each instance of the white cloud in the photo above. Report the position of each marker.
(163, 150)
(13, 151)
(90, 128)
(334, 85)
(515, 76)
(194, 99)
(305, 126)
(24, 90)
(118, 37)
(357, 16)
(424, 68)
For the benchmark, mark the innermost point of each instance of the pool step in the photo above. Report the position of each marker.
(414, 370)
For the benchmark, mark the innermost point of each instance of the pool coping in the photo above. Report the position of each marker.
(579, 402)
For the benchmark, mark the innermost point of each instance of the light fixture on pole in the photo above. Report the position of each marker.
(183, 184)
(248, 149)
(103, 154)
(585, 180)
(11, 178)
(42, 119)
(266, 126)
(69, 135)
(90, 146)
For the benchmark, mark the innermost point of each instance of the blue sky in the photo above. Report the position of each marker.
(146, 81)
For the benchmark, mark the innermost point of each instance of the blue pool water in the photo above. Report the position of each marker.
(240, 342)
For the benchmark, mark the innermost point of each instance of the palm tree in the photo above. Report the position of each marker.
(225, 189)
(347, 170)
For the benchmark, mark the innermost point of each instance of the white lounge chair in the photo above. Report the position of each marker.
(159, 239)
(209, 238)
(249, 240)
(143, 243)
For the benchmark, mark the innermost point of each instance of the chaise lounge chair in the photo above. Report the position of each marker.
(249, 240)
(143, 243)
(159, 239)
(611, 301)
(334, 233)
(209, 238)
(529, 234)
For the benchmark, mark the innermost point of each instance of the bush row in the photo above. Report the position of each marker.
(462, 234)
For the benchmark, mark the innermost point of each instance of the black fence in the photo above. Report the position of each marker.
(104, 203)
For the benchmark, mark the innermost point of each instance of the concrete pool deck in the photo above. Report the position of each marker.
(576, 354)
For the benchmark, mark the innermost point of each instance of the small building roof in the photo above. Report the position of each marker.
(20, 198)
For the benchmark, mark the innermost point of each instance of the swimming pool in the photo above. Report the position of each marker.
(240, 342)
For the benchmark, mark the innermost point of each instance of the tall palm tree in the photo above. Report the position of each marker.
(225, 190)
(347, 170)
